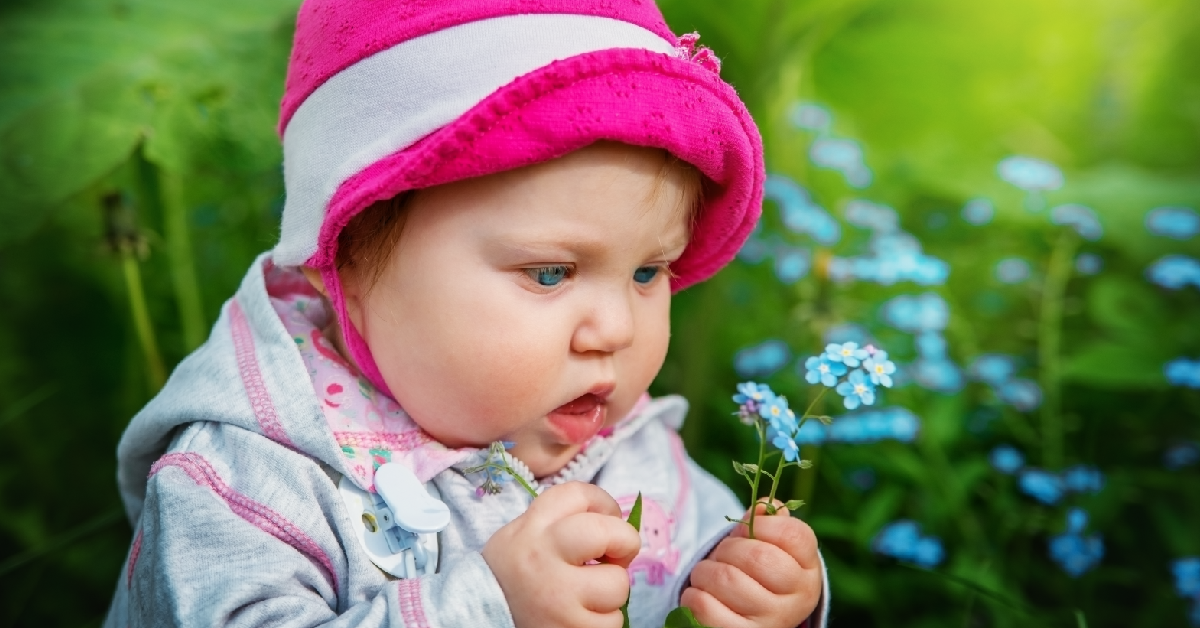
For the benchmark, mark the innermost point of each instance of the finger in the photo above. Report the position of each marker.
(793, 536)
(601, 588)
(571, 498)
(731, 586)
(590, 536)
(768, 565)
(709, 610)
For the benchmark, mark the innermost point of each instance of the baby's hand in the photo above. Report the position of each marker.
(540, 559)
(773, 581)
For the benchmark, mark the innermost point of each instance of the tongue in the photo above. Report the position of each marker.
(580, 405)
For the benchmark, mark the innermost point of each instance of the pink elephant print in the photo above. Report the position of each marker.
(657, 557)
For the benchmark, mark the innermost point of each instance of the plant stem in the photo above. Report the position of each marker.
(179, 252)
(779, 468)
(1050, 345)
(155, 371)
(762, 454)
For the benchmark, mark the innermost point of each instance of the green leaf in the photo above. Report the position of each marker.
(635, 513)
(750, 468)
(740, 469)
(682, 617)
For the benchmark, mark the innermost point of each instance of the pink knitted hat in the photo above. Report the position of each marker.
(384, 96)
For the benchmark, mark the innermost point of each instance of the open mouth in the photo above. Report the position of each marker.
(578, 420)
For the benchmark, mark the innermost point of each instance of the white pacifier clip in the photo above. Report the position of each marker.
(397, 525)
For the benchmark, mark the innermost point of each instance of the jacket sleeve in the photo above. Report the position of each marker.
(714, 501)
(206, 554)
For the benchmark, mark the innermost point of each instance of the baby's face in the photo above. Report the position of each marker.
(529, 306)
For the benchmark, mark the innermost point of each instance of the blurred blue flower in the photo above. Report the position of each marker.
(1083, 479)
(810, 117)
(917, 313)
(856, 390)
(1183, 372)
(791, 264)
(978, 211)
(1006, 459)
(1179, 223)
(822, 369)
(848, 332)
(1012, 270)
(859, 176)
(763, 359)
(880, 368)
(904, 424)
(811, 433)
(847, 353)
(1088, 264)
(1075, 553)
(873, 216)
(1174, 271)
(929, 552)
(1077, 520)
(1081, 218)
(800, 213)
(938, 374)
(840, 154)
(754, 251)
(903, 540)
(1022, 394)
(1041, 485)
(992, 368)
(1187, 576)
(1030, 174)
(895, 244)
(1181, 455)
(930, 271)
(931, 345)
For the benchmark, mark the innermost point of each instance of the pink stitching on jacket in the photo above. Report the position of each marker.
(404, 441)
(259, 515)
(252, 379)
(408, 592)
(133, 556)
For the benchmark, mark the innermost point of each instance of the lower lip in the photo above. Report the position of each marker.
(579, 420)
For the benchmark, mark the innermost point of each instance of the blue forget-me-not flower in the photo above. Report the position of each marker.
(822, 369)
(1006, 459)
(1029, 174)
(1041, 485)
(903, 540)
(1073, 551)
(1174, 271)
(847, 353)
(1183, 372)
(1180, 223)
(880, 368)
(763, 359)
(856, 390)
(1081, 218)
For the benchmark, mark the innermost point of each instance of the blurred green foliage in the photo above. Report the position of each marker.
(139, 172)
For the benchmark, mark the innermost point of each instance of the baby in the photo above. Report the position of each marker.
(489, 206)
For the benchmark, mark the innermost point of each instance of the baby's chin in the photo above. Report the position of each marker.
(545, 459)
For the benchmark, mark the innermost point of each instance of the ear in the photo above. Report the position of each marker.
(349, 293)
(314, 279)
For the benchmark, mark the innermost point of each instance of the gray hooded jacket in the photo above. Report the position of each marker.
(230, 479)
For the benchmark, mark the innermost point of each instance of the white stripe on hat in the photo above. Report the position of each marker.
(388, 101)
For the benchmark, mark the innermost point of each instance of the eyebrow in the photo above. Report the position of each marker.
(581, 247)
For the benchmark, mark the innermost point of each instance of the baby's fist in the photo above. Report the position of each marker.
(772, 581)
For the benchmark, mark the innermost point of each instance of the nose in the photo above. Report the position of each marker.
(607, 325)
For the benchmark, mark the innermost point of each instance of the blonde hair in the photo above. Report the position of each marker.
(367, 242)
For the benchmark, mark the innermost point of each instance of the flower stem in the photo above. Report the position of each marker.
(762, 454)
(155, 371)
(1050, 345)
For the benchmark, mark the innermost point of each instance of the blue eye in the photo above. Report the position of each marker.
(645, 274)
(548, 275)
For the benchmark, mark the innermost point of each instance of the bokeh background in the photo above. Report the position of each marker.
(1003, 194)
